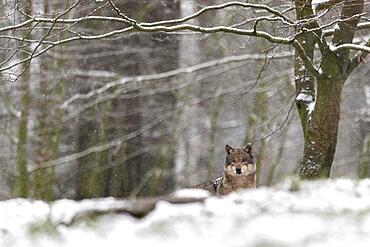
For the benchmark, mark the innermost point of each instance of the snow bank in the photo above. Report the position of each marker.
(323, 213)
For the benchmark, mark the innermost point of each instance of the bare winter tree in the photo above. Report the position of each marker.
(330, 40)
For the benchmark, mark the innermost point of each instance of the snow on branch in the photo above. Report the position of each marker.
(134, 25)
(64, 41)
(283, 17)
(170, 26)
(363, 48)
(360, 26)
(359, 57)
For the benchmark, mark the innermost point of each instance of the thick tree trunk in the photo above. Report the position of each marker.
(321, 129)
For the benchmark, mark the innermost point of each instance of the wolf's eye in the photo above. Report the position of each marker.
(232, 160)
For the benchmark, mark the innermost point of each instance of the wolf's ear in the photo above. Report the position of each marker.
(248, 148)
(228, 149)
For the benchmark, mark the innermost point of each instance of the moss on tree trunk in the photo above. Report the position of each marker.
(322, 130)
(321, 124)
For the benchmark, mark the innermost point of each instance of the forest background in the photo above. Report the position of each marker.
(145, 113)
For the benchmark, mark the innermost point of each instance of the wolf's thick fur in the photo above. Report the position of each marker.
(239, 172)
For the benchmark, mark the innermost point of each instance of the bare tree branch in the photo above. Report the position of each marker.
(328, 4)
(347, 28)
(170, 26)
(176, 72)
(360, 26)
(161, 118)
(363, 48)
(285, 19)
(359, 58)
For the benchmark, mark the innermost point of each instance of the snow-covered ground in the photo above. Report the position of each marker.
(323, 213)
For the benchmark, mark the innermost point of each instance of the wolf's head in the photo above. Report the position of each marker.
(239, 161)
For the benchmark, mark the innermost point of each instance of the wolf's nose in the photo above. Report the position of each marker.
(238, 171)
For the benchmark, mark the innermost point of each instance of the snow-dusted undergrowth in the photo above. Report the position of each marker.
(323, 213)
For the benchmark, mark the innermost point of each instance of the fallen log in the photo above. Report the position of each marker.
(137, 208)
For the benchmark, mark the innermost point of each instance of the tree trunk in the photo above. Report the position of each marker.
(21, 179)
(363, 170)
(43, 129)
(86, 134)
(213, 112)
(102, 158)
(321, 129)
(20, 186)
(56, 135)
(276, 160)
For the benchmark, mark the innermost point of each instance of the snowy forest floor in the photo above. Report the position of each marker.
(320, 213)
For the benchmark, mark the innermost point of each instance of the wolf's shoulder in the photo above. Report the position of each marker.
(210, 186)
